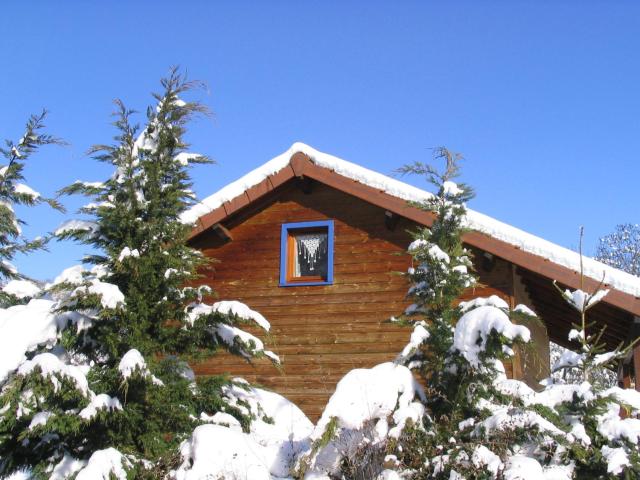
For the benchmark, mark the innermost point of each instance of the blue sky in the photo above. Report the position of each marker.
(541, 97)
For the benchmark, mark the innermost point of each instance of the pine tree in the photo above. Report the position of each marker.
(442, 266)
(130, 322)
(13, 192)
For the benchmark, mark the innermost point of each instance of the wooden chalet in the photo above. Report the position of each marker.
(314, 243)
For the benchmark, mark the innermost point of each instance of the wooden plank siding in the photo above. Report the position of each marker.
(319, 332)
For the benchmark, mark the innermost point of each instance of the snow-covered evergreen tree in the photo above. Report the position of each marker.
(478, 423)
(115, 396)
(14, 288)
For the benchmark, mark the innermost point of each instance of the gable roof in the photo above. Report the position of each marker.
(517, 246)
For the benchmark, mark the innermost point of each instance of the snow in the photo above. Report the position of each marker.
(184, 158)
(26, 190)
(231, 335)
(626, 396)
(616, 459)
(493, 301)
(483, 457)
(417, 244)
(434, 250)
(9, 266)
(557, 394)
(145, 141)
(418, 336)
(100, 402)
(215, 452)
(127, 252)
(66, 467)
(110, 295)
(283, 439)
(474, 220)
(73, 275)
(239, 309)
(581, 301)
(388, 475)
(90, 184)
(524, 309)
(508, 418)
(169, 272)
(130, 362)
(250, 343)
(369, 393)
(21, 288)
(569, 358)
(520, 467)
(437, 253)
(365, 397)
(576, 335)
(451, 189)
(223, 419)
(23, 328)
(604, 358)
(39, 419)
(75, 225)
(21, 475)
(474, 327)
(51, 367)
(104, 465)
(614, 428)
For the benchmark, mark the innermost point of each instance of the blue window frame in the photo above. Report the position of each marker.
(306, 253)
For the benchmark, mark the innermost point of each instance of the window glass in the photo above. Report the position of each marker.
(311, 254)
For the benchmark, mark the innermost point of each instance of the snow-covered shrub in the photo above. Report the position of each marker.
(278, 432)
(368, 408)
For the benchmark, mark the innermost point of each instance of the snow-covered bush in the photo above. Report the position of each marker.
(368, 409)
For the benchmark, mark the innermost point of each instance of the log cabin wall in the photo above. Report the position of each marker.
(321, 332)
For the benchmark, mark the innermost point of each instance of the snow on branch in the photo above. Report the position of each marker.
(133, 363)
(247, 344)
(474, 328)
(53, 369)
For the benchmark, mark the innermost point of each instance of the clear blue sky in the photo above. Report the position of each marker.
(542, 97)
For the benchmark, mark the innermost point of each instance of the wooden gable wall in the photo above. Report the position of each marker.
(322, 332)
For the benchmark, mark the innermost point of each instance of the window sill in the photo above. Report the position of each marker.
(305, 284)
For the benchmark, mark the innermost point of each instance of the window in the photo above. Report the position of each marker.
(306, 253)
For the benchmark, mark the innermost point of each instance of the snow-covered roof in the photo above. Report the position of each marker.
(520, 239)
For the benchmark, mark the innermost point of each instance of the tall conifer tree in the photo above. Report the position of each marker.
(118, 386)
